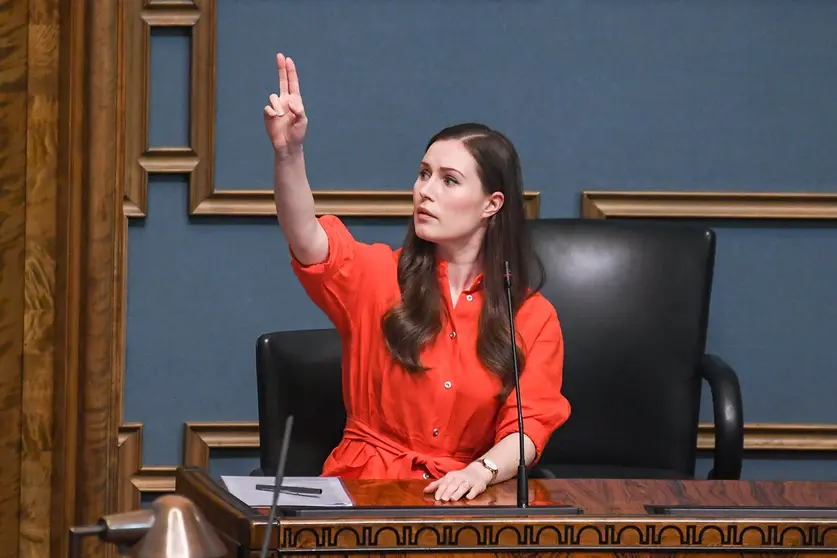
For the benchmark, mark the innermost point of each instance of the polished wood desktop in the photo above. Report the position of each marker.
(614, 517)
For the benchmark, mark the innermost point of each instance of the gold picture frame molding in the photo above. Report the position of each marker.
(708, 205)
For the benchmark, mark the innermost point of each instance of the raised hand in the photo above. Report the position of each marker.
(284, 117)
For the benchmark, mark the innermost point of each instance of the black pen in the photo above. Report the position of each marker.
(297, 490)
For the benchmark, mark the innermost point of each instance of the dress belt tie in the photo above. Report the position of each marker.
(437, 467)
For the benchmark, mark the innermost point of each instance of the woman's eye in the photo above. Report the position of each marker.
(449, 180)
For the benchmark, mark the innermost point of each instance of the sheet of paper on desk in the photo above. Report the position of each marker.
(244, 488)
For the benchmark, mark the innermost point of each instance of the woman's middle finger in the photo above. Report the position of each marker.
(460, 491)
(455, 486)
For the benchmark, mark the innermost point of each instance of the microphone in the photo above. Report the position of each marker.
(280, 474)
(522, 482)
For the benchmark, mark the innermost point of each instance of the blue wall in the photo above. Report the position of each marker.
(718, 95)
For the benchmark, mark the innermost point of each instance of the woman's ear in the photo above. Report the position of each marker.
(493, 203)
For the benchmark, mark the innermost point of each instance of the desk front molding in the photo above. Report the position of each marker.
(556, 534)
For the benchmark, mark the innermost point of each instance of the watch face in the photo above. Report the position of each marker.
(490, 464)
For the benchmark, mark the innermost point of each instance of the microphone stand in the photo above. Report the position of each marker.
(522, 481)
(277, 484)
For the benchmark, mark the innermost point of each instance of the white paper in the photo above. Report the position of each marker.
(244, 488)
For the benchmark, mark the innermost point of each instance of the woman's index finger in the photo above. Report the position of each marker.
(281, 66)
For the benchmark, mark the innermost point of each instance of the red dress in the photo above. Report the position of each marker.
(412, 426)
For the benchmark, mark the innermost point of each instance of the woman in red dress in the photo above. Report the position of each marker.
(427, 356)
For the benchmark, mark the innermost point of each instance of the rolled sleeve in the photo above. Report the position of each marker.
(335, 285)
(543, 404)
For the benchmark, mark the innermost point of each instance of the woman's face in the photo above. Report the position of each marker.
(450, 204)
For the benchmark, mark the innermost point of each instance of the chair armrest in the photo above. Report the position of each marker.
(728, 415)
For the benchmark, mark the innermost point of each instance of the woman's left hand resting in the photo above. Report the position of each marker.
(469, 482)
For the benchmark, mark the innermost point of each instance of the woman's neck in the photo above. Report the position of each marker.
(464, 265)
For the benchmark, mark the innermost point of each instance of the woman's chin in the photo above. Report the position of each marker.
(426, 231)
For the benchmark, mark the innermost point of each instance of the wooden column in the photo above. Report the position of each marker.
(60, 285)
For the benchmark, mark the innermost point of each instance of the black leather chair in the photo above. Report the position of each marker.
(298, 373)
(633, 301)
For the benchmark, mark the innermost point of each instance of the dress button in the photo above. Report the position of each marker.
(425, 476)
(447, 385)
(470, 298)
(435, 431)
(452, 334)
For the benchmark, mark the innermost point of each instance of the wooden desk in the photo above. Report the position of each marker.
(615, 520)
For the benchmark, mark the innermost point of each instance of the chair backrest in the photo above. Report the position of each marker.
(633, 300)
(298, 373)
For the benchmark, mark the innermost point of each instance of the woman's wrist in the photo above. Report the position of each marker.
(484, 472)
(287, 153)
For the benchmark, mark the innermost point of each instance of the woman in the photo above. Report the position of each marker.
(427, 356)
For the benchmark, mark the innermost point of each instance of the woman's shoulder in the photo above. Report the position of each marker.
(340, 236)
(536, 312)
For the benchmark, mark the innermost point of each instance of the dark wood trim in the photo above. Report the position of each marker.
(68, 380)
(200, 437)
(14, 28)
(708, 205)
(100, 394)
(134, 68)
(345, 203)
(130, 463)
(39, 354)
(90, 246)
(202, 103)
(135, 479)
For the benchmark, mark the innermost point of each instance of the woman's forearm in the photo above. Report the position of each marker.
(295, 208)
(475, 477)
(505, 454)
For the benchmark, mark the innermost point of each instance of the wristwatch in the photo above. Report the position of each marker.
(488, 464)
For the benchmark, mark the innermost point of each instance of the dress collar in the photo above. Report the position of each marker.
(442, 273)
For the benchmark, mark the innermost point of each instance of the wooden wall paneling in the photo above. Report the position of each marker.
(57, 246)
(40, 274)
(100, 401)
(13, 101)
(87, 394)
(708, 205)
(68, 284)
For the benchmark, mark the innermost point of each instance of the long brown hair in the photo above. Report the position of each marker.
(416, 321)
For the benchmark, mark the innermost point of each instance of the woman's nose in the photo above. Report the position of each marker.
(425, 190)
